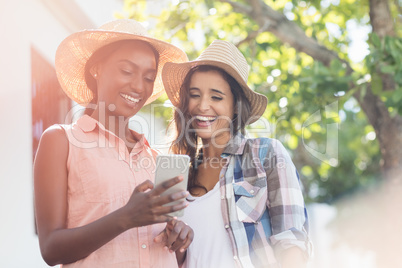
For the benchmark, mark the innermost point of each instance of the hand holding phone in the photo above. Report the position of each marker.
(168, 167)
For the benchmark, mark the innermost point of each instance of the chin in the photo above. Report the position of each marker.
(205, 136)
(213, 134)
(126, 113)
(208, 135)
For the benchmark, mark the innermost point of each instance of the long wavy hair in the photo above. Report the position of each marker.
(185, 138)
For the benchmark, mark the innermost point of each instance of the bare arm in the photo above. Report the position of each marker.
(293, 258)
(61, 245)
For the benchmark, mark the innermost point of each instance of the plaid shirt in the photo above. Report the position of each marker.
(262, 204)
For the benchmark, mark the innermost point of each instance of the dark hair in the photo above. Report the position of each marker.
(101, 55)
(188, 144)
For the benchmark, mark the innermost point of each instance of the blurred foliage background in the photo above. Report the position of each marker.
(334, 90)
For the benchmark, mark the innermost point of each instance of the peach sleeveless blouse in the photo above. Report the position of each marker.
(102, 175)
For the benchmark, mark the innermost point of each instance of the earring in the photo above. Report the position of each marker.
(95, 75)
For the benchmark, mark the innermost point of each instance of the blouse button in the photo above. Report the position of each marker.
(235, 258)
(136, 169)
(227, 226)
(144, 246)
(222, 197)
(251, 191)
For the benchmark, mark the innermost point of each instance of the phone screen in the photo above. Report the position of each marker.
(168, 167)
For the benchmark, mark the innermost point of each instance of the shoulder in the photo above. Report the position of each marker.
(53, 138)
(53, 147)
(267, 148)
(54, 133)
(258, 141)
(260, 145)
(267, 143)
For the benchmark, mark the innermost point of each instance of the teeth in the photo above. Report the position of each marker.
(204, 118)
(127, 97)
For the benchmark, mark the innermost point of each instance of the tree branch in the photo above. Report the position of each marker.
(381, 19)
(388, 129)
(252, 35)
(239, 8)
(399, 8)
(286, 31)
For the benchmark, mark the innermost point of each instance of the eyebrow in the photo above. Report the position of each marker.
(218, 91)
(213, 89)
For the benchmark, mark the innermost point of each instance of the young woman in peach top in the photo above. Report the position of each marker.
(95, 201)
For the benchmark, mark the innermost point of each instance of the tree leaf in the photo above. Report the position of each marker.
(375, 40)
(376, 83)
(397, 96)
(388, 69)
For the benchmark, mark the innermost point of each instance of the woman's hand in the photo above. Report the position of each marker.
(177, 237)
(147, 206)
(293, 258)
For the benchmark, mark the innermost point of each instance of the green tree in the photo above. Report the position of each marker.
(298, 53)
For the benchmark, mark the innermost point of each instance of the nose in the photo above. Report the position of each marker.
(137, 84)
(204, 104)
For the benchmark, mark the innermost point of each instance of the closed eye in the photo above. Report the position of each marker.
(150, 79)
(126, 72)
(194, 93)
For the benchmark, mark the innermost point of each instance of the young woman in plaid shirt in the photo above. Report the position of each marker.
(246, 206)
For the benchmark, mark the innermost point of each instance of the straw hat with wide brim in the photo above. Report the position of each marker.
(74, 52)
(220, 54)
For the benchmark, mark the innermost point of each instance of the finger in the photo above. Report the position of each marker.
(184, 233)
(170, 225)
(182, 230)
(162, 210)
(176, 244)
(161, 237)
(160, 188)
(162, 218)
(172, 240)
(144, 186)
(163, 200)
(189, 239)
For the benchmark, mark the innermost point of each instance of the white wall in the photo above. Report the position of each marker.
(22, 23)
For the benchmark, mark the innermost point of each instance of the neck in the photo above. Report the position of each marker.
(214, 148)
(118, 125)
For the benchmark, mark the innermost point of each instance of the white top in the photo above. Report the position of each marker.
(211, 245)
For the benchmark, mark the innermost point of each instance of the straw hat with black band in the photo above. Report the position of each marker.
(74, 52)
(221, 54)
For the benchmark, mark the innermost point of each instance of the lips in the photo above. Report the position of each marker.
(130, 99)
(204, 121)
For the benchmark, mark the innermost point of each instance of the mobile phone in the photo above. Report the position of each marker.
(169, 166)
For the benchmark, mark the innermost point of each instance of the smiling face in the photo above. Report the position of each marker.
(210, 104)
(125, 79)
